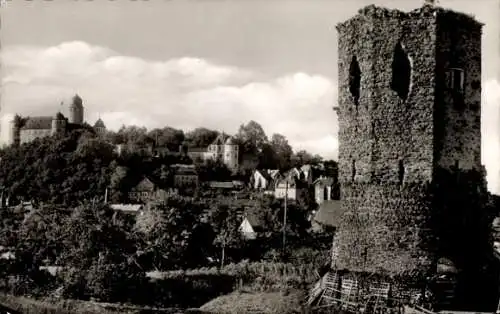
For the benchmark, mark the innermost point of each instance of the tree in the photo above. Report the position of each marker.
(213, 170)
(167, 232)
(268, 157)
(118, 183)
(302, 157)
(90, 232)
(252, 138)
(133, 135)
(40, 235)
(99, 253)
(62, 170)
(226, 222)
(201, 137)
(167, 137)
(283, 151)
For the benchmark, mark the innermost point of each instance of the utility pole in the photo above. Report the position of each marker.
(284, 216)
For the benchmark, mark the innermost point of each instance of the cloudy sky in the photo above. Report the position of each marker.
(212, 63)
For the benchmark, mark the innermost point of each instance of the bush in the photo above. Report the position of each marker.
(258, 277)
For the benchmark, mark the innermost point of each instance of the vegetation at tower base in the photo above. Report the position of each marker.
(399, 232)
(385, 230)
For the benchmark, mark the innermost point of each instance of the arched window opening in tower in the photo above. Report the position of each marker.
(401, 172)
(355, 79)
(401, 72)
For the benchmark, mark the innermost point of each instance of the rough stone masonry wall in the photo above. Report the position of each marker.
(458, 117)
(383, 230)
(390, 147)
(355, 41)
(403, 128)
(457, 144)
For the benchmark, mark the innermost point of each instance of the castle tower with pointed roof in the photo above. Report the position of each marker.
(76, 111)
(99, 127)
(27, 129)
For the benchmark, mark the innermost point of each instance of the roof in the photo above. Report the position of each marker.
(185, 166)
(221, 184)
(253, 219)
(292, 181)
(306, 168)
(99, 124)
(264, 174)
(324, 181)
(230, 141)
(274, 173)
(147, 183)
(59, 116)
(38, 123)
(185, 171)
(221, 139)
(126, 207)
(197, 150)
(77, 101)
(294, 172)
(330, 213)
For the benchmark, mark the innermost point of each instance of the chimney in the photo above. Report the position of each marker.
(106, 196)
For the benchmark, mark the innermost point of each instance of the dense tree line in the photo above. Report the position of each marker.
(257, 150)
(105, 254)
(80, 166)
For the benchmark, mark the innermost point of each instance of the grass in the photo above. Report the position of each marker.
(254, 302)
(49, 306)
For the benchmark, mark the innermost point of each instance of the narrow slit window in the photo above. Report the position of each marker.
(401, 72)
(355, 79)
(457, 171)
(353, 174)
(401, 172)
(455, 79)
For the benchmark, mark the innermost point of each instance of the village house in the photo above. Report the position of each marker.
(147, 190)
(294, 173)
(323, 189)
(263, 179)
(308, 173)
(291, 187)
(224, 149)
(185, 176)
(251, 226)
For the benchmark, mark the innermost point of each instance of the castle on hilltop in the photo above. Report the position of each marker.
(27, 129)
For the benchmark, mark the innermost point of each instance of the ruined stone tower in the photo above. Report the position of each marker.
(410, 145)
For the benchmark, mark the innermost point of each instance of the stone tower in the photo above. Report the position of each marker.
(58, 124)
(230, 158)
(15, 136)
(410, 145)
(76, 110)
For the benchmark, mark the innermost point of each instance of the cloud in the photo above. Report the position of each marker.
(490, 116)
(190, 92)
(183, 93)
